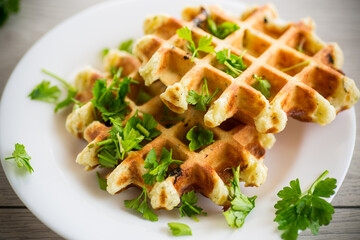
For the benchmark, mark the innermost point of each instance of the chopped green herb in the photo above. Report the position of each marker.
(198, 137)
(21, 157)
(241, 205)
(126, 46)
(300, 47)
(235, 65)
(142, 97)
(110, 101)
(105, 52)
(43, 92)
(262, 85)
(204, 43)
(8, 7)
(157, 170)
(296, 65)
(301, 210)
(223, 30)
(201, 100)
(125, 139)
(188, 207)
(70, 95)
(142, 206)
(102, 181)
(179, 229)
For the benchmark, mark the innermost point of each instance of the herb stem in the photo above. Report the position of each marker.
(311, 190)
(68, 86)
(295, 66)
(143, 130)
(234, 70)
(104, 142)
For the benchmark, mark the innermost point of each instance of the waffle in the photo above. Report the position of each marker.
(312, 92)
(206, 171)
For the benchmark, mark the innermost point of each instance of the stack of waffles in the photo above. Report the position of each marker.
(305, 80)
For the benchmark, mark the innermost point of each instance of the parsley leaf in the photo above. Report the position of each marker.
(300, 210)
(102, 181)
(157, 170)
(43, 92)
(105, 52)
(223, 30)
(262, 85)
(201, 100)
(70, 94)
(200, 137)
(110, 101)
(8, 7)
(141, 207)
(126, 46)
(179, 229)
(21, 157)
(125, 139)
(204, 43)
(241, 205)
(188, 207)
(235, 65)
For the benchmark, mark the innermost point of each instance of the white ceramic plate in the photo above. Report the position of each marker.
(69, 201)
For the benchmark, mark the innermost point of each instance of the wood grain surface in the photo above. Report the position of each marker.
(337, 21)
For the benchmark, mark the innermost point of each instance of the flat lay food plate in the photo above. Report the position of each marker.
(68, 199)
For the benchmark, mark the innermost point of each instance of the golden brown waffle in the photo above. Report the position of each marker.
(314, 91)
(205, 171)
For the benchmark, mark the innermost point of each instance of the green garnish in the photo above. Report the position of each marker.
(157, 170)
(142, 207)
(262, 85)
(301, 210)
(223, 30)
(43, 92)
(110, 101)
(295, 66)
(199, 137)
(188, 207)
(204, 43)
(105, 52)
(70, 94)
(235, 65)
(125, 139)
(300, 47)
(102, 181)
(21, 157)
(142, 97)
(8, 7)
(241, 205)
(201, 100)
(126, 46)
(179, 229)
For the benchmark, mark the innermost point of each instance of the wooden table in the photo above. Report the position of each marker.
(337, 21)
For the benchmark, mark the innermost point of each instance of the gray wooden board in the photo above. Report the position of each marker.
(337, 21)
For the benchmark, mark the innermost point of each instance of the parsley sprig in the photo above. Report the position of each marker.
(142, 206)
(8, 7)
(110, 100)
(21, 157)
(102, 181)
(125, 139)
(204, 44)
(188, 207)
(198, 137)
(200, 101)
(126, 45)
(44, 92)
(179, 229)
(235, 65)
(223, 30)
(157, 170)
(241, 205)
(301, 210)
(262, 85)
